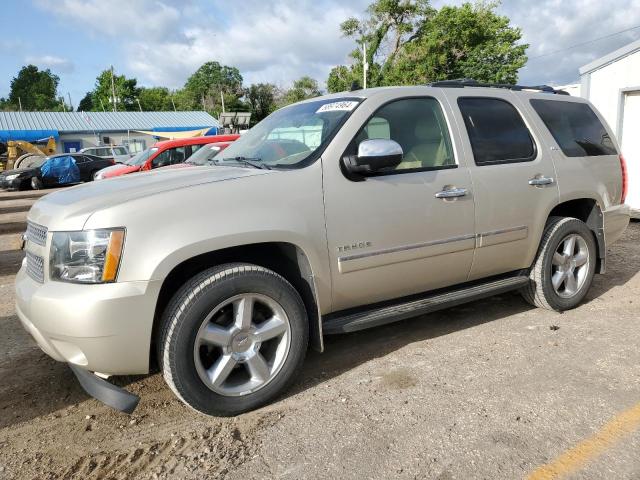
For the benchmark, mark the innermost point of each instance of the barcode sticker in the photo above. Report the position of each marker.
(346, 106)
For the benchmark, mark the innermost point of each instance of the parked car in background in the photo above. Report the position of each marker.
(33, 177)
(162, 154)
(202, 157)
(119, 153)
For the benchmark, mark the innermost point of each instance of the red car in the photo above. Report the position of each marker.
(201, 157)
(168, 152)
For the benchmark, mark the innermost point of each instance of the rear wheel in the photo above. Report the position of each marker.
(564, 267)
(232, 339)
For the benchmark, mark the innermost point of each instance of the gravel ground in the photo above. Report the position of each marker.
(492, 390)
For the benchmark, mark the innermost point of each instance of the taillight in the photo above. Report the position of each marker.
(625, 179)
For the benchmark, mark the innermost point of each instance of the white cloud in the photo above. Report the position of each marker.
(164, 41)
(57, 64)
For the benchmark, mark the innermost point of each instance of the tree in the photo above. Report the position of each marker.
(303, 88)
(262, 98)
(155, 99)
(34, 89)
(126, 92)
(86, 104)
(202, 89)
(409, 42)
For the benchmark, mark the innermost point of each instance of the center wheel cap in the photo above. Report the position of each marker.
(243, 346)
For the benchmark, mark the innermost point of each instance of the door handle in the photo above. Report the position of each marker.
(539, 181)
(452, 193)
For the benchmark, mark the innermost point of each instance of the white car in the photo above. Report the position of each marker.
(119, 153)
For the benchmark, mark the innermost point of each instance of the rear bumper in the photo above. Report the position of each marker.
(615, 221)
(101, 328)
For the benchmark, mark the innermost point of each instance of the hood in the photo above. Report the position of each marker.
(119, 169)
(176, 165)
(70, 208)
(30, 171)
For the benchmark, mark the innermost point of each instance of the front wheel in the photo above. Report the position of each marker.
(564, 267)
(36, 183)
(233, 338)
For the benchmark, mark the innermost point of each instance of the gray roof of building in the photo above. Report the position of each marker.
(103, 121)
(614, 56)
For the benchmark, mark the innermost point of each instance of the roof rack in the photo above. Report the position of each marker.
(470, 82)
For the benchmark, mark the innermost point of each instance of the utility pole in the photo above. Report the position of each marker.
(113, 90)
(174, 104)
(139, 106)
(222, 99)
(20, 103)
(70, 103)
(365, 65)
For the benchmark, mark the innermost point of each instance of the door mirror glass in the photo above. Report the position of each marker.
(374, 155)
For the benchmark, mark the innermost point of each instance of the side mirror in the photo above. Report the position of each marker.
(374, 155)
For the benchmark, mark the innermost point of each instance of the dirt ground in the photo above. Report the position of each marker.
(493, 389)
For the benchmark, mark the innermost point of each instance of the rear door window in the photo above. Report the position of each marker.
(575, 127)
(496, 131)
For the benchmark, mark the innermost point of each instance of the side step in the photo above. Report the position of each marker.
(352, 321)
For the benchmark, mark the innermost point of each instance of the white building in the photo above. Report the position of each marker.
(612, 84)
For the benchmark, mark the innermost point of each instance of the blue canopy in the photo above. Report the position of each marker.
(28, 135)
(62, 168)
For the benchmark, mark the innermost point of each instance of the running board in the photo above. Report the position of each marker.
(350, 321)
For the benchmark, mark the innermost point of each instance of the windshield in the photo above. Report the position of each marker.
(207, 152)
(141, 157)
(291, 135)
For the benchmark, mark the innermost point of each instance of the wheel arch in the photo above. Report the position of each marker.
(284, 258)
(589, 211)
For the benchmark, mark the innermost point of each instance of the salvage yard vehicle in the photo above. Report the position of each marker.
(332, 215)
(34, 177)
(203, 156)
(117, 153)
(162, 154)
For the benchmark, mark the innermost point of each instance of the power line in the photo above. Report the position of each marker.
(584, 43)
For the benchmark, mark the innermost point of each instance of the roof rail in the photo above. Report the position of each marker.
(470, 82)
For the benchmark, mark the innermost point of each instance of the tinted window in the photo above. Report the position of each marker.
(418, 125)
(575, 127)
(496, 131)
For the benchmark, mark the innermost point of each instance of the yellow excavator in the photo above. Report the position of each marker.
(20, 152)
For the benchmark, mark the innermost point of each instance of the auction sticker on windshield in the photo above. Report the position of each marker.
(337, 106)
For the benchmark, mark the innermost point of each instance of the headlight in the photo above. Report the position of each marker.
(91, 256)
(11, 177)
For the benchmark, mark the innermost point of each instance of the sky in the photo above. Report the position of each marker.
(161, 42)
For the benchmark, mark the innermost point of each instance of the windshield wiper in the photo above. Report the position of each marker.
(250, 162)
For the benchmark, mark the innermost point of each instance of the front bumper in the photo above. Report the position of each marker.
(101, 328)
(10, 184)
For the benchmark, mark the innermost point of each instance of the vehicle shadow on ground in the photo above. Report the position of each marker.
(346, 352)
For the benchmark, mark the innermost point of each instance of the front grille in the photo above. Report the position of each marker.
(35, 267)
(36, 234)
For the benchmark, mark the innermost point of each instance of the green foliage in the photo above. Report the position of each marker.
(35, 89)
(303, 88)
(155, 99)
(409, 43)
(262, 99)
(202, 89)
(86, 104)
(126, 92)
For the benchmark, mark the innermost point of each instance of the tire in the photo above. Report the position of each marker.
(558, 262)
(190, 355)
(92, 175)
(36, 183)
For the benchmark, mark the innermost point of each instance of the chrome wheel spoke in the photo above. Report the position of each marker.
(221, 369)
(274, 327)
(569, 246)
(558, 259)
(243, 312)
(258, 368)
(558, 279)
(571, 285)
(216, 335)
(581, 258)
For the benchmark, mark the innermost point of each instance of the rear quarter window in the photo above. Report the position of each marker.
(496, 131)
(575, 127)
